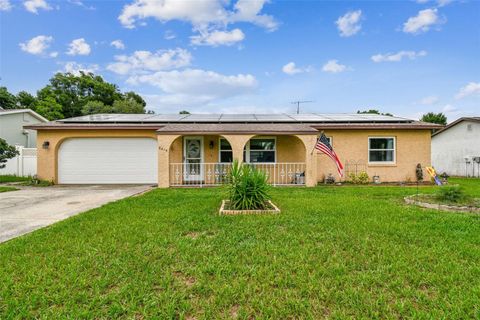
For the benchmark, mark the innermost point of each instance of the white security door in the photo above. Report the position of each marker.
(108, 161)
(193, 155)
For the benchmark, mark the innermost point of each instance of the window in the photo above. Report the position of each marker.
(381, 150)
(259, 150)
(225, 149)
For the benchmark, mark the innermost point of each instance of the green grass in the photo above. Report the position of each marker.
(6, 189)
(348, 252)
(12, 178)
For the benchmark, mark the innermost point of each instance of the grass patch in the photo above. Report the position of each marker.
(348, 252)
(12, 178)
(7, 189)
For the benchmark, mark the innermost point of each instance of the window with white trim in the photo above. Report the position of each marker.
(225, 151)
(260, 150)
(381, 150)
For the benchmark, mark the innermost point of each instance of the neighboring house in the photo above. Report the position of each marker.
(185, 150)
(456, 147)
(12, 122)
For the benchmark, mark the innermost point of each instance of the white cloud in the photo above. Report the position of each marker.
(75, 68)
(80, 3)
(37, 45)
(198, 13)
(422, 22)
(396, 57)
(169, 35)
(117, 44)
(208, 18)
(472, 88)
(79, 47)
(53, 54)
(146, 61)
(194, 86)
(5, 5)
(216, 38)
(349, 23)
(429, 100)
(34, 5)
(333, 66)
(450, 109)
(291, 69)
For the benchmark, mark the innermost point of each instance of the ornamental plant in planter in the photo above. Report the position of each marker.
(248, 191)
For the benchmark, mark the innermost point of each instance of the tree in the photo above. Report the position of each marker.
(6, 152)
(72, 92)
(134, 96)
(438, 118)
(49, 108)
(128, 106)
(26, 101)
(93, 107)
(374, 111)
(7, 100)
(184, 112)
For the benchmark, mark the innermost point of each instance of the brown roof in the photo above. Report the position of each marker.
(237, 128)
(377, 126)
(474, 119)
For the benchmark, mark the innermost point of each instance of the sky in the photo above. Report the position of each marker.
(246, 56)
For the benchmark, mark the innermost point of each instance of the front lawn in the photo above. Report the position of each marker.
(12, 178)
(346, 252)
(6, 189)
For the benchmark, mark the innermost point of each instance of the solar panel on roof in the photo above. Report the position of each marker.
(201, 117)
(251, 118)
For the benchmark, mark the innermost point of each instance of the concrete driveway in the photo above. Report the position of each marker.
(32, 208)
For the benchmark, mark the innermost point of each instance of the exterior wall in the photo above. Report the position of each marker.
(451, 146)
(47, 163)
(412, 147)
(289, 149)
(11, 129)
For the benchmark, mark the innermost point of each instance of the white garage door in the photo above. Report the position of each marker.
(108, 161)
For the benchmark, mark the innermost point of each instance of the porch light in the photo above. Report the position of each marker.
(211, 144)
(46, 144)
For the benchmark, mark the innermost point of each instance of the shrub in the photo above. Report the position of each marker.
(361, 178)
(248, 188)
(451, 194)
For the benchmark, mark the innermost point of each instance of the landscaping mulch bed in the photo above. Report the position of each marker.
(225, 209)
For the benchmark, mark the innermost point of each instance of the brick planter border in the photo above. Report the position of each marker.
(442, 207)
(224, 211)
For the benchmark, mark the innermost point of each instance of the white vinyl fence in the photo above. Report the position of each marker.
(23, 165)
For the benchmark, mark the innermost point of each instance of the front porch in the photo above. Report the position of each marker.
(215, 174)
(205, 160)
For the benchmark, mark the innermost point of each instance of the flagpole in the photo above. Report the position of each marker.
(318, 137)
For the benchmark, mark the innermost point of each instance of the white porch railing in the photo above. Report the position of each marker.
(215, 174)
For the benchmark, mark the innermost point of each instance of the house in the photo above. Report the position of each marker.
(12, 122)
(456, 148)
(186, 150)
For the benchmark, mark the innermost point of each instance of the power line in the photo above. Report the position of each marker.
(298, 104)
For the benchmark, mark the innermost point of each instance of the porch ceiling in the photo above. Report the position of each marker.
(237, 128)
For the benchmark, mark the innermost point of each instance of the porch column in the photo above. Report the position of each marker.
(309, 142)
(237, 142)
(164, 143)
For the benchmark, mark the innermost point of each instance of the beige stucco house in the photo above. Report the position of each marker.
(197, 150)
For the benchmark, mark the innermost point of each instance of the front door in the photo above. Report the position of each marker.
(193, 155)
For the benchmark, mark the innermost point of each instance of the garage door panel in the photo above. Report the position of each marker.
(108, 161)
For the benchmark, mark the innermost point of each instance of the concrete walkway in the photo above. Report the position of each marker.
(32, 208)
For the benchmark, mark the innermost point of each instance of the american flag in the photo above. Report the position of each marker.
(324, 146)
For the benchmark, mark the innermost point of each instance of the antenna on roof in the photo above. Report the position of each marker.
(298, 104)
